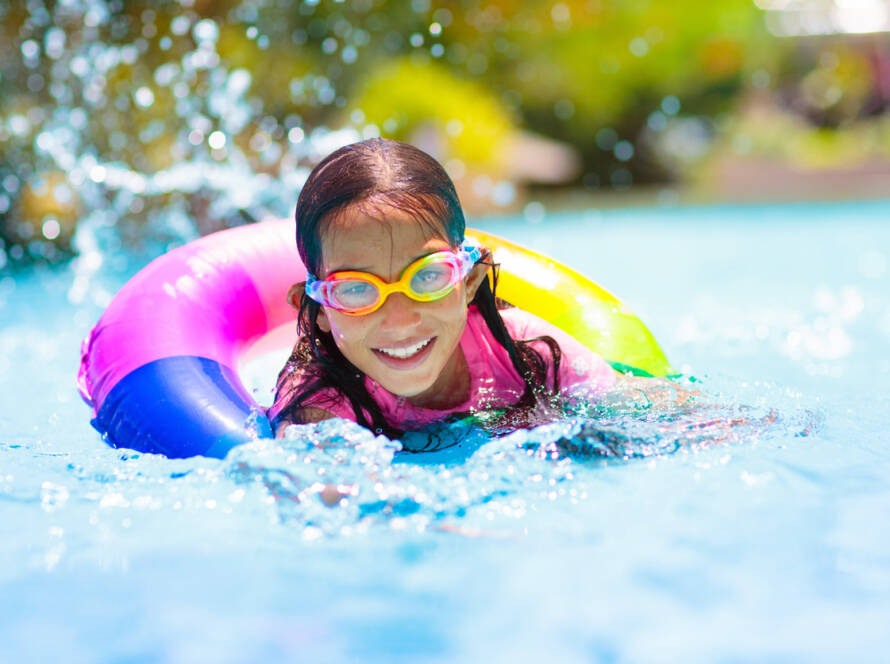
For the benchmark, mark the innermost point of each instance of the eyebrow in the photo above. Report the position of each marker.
(349, 268)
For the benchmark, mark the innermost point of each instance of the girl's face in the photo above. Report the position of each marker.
(410, 348)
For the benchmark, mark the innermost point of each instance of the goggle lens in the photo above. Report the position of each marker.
(435, 280)
(353, 294)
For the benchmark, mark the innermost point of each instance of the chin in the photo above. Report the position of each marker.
(403, 386)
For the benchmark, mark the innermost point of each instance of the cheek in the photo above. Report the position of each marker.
(346, 330)
(456, 302)
(450, 311)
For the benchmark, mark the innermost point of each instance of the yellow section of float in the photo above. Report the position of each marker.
(576, 305)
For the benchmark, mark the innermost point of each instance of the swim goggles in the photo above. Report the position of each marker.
(427, 279)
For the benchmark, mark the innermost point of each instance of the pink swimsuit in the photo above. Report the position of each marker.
(494, 382)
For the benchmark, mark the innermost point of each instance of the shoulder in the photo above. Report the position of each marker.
(302, 396)
(523, 325)
(578, 364)
(520, 324)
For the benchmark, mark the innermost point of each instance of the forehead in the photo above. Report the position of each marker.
(360, 237)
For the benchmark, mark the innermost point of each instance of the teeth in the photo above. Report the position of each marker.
(407, 351)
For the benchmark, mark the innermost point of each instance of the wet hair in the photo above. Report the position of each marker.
(368, 175)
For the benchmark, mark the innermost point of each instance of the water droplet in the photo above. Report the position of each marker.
(30, 49)
(606, 138)
(670, 105)
(329, 45)
(206, 30)
(623, 150)
(639, 47)
(564, 109)
(144, 97)
(534, 212)
(216, 140)
(180, 25)
(51, 229)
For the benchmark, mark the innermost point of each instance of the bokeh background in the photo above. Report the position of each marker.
(164, 120)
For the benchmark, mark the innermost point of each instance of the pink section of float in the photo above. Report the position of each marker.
(210, 298)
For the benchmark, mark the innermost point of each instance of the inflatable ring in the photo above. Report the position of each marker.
(159, 369)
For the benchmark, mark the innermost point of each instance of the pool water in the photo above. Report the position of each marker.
(768, 541)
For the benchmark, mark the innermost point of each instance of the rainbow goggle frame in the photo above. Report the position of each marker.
(427, 279)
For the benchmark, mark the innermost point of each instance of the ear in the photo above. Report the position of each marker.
(322, 320)
(476, 275)
(295, 294)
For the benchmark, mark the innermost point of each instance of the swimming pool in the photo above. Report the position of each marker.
(771, 547)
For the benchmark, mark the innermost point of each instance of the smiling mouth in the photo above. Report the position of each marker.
(405, 352)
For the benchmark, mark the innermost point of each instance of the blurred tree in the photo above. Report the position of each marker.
(140, 109)
(403, 97)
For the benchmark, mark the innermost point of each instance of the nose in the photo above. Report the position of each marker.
(399, 312)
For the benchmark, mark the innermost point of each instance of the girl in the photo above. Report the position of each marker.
(399, 323)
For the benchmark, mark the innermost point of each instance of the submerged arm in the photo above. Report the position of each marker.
(642, 417)
(306, 415)
(650, 392)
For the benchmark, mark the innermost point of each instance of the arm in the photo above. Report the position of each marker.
(329, 494)
(642, 417)
(659, 393)
(306, 415)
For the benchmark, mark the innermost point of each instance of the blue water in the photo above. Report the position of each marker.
(752, 545)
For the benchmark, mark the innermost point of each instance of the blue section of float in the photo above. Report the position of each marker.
(181, 407)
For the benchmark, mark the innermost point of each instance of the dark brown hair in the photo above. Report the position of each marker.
(372, 173)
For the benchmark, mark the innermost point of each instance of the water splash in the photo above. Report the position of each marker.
(336, 478)
(140, 127)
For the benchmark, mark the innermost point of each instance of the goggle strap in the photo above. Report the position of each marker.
(313, 287)
(469, 255)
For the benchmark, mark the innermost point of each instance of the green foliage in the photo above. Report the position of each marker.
(402, 97)
(784, 138)
(629, 52)
(144, 85)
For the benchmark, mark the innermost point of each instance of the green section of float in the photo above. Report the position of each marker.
(576, 305)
